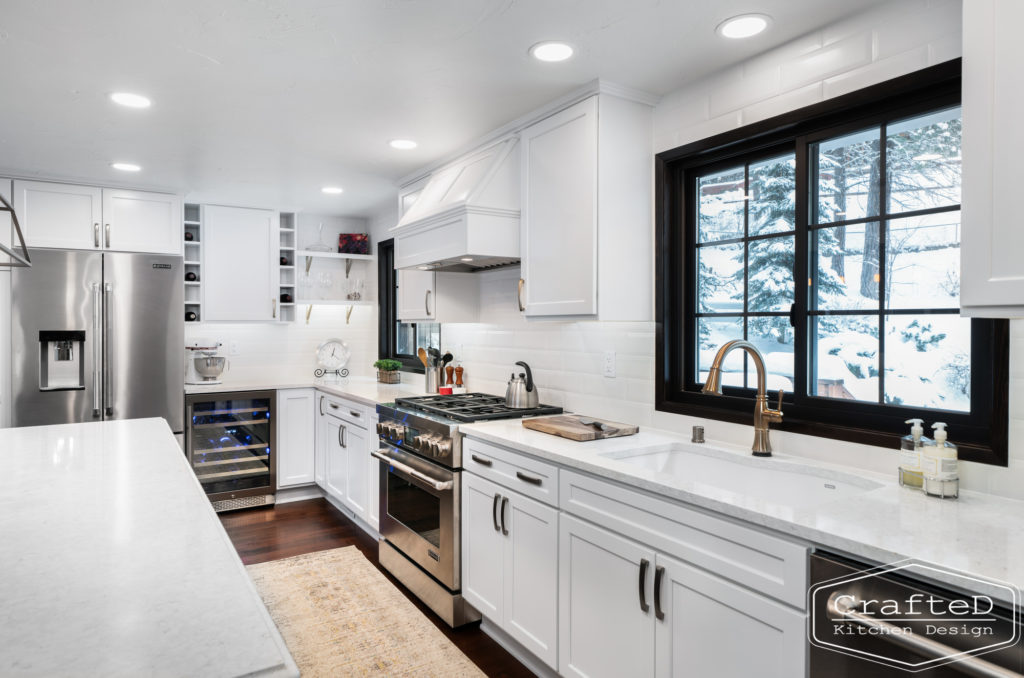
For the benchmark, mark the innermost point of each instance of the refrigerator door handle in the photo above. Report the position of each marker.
(107, 366)
(97, 356)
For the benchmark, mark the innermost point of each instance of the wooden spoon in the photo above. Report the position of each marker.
(423, 356)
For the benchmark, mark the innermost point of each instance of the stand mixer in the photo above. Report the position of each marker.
(202, 364)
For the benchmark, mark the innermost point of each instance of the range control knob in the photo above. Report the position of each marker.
(380, 428)
(421, 443)
(443, 448)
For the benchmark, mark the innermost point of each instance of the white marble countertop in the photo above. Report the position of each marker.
(114, 563)
(977, 534)
(363, 389)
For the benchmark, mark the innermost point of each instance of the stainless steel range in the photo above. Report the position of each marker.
(420, 492)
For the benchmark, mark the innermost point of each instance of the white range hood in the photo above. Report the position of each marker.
(466, 218)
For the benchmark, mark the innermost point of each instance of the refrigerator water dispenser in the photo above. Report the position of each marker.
(61, 367)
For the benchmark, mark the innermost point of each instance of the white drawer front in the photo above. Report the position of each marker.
(534, 478)
(346, 410)
(765, 563)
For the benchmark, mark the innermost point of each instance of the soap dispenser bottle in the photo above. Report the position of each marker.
(939, 465)
(910, 454)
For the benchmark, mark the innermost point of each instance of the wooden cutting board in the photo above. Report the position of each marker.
(569, 426)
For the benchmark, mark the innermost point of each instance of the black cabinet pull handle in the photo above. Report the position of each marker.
(353, 413)
(644, 564)
(481, 460)
(504, 503)
(659, 572)
(528, 479)
(494, 512)
(334, 406)
(321, 406)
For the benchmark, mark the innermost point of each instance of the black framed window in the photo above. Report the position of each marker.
(830, 238)
(398, 340)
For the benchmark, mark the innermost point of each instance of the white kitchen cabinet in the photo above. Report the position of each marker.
(139, 221)
(712, 627)
(59, 215)
(991, 268)
(67, 216)
(482, 556)
(240, 274)
(296, 437)
(585, 237)
(426, 296)
(355, 442)
(335, 466)
(510, 563)
(604, 588)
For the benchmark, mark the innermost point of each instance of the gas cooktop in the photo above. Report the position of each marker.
(470, 407)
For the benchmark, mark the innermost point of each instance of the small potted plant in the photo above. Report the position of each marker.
(387, 371)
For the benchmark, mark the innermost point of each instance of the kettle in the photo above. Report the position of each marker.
(521, 392)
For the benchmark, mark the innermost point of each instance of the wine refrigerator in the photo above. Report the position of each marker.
(229, 441)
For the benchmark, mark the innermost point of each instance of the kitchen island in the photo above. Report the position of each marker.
(115, 564)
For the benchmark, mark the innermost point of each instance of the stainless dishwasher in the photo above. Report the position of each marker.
(1007, 662)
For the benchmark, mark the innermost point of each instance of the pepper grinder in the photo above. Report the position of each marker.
(448, 371)
(459, 387)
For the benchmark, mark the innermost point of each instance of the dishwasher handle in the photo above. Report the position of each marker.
(842, 606)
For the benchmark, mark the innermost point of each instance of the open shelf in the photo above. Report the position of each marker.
(334, 302)
(334, 255)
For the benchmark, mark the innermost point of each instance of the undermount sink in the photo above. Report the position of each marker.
(765, 479)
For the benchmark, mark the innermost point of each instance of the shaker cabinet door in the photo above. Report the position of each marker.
(137, 221)
(335, 467)
(296, 439)
(604, 629)
(482, 546)
(61, 216)
(355, 440)
(712, 627)
(531, 576)
(558, 237)
(991, 268)
(416, 298)
(240, 262)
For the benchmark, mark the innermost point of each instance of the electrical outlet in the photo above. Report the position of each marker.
(609, 364)
(233, 347)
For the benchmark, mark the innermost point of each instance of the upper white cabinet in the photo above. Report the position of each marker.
(137, 221)
(586, 230)
(296, 438)
(991, 268)
(240, 275)
(427, 296)
(59, 215)
(66, 216)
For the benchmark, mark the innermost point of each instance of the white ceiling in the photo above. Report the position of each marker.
(262, 102)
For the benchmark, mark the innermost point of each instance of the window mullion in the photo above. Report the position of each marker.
(803, 353)
(883, 209)
(746, 268)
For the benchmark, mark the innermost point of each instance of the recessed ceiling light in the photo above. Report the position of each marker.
(551, 50)
(125, 166)
(743, 26)
(331, 190)
(403, 144)
(130, 100)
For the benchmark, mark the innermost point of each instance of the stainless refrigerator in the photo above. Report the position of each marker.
(97, 336)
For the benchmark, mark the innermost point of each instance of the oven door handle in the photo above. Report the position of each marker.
(438, 485)
(840, 610)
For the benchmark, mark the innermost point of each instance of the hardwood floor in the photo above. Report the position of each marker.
(301, 527)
